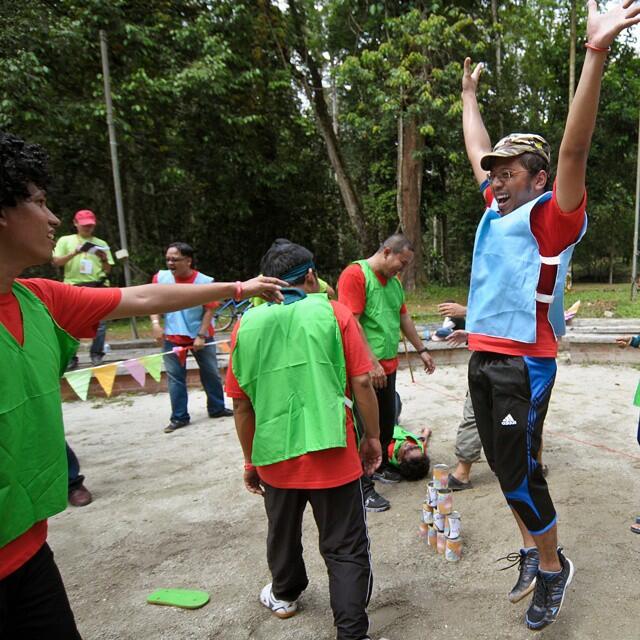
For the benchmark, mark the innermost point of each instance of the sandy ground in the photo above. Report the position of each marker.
(171, 511)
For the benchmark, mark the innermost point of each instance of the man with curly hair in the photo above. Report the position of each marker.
(40, 323)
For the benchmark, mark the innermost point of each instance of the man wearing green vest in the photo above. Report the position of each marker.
(40, 323)
(295, 370)
(373, 292)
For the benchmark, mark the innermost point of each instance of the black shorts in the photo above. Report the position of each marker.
(510, 396)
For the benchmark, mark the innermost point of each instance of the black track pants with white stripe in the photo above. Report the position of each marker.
(344, 544)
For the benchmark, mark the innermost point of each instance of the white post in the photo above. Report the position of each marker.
(634, 263)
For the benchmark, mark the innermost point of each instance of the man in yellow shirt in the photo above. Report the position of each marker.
(87, 261)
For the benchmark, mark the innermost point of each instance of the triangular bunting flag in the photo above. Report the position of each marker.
(224, 347)
(79, 381)
(136, 370)
(181, 354)
(636, 400)
(153, 365)
(106, 374)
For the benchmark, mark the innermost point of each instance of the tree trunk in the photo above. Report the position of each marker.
(409, 195)
(611, 262)
(312, 86)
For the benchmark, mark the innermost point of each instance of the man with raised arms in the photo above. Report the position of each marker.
(515, 313)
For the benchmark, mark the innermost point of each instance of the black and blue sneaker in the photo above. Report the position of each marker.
(549, 595)
(527, 561)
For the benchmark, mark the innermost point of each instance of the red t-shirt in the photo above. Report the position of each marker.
(554, 231)
(352, 293)
(330, 467)
(187, 341)
(78, 310)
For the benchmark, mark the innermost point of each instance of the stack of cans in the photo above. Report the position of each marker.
(440, 526)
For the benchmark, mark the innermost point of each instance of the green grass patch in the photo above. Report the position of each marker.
(595, 298)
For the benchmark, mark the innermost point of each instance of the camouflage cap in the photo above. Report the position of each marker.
(515, 144)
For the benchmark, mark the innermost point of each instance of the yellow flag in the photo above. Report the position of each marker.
(106, 374)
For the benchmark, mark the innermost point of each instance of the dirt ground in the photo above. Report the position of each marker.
(171, 511)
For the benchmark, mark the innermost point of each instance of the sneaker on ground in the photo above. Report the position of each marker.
(375, 502)
(549, 595)
(386, 475)
(281, 608)
(175, 424)
(527, 562)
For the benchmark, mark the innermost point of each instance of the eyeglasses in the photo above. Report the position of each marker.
(174, 259)
(504, 176)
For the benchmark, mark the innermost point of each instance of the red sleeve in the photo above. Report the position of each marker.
(487, 193)
(351, 289)
(78, 310)
(232, 388)
(555, 229)
(154, 280)
(356, 353)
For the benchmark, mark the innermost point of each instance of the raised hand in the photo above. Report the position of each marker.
(602, 28)
(470, 80)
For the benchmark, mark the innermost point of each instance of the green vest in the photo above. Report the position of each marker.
(33, 461)
(381, 316)
(290, 361)
(400, 436)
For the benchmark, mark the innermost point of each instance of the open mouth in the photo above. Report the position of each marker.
(502, 199)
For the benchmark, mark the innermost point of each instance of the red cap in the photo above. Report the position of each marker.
(84, 216)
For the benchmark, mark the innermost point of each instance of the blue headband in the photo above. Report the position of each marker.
(297, 272)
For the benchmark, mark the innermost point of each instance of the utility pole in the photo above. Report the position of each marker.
(634, 263)
(123, 254)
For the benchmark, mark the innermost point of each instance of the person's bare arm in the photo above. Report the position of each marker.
(602, 29)
(476, 138)
(148, 299)
(199, 342)
(245, 419)
(377, 374)
(409, 330)
(156, 327)
(60, 261)
(452, 309)
(365, 397)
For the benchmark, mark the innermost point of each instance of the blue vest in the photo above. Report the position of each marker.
(505, 274)
(187, 321)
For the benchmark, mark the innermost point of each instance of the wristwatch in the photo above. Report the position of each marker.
(201, 335)
(423, 350)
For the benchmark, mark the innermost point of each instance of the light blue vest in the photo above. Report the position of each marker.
(505, 275)
(187, 321)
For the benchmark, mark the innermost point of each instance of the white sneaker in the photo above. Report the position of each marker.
(281, 608)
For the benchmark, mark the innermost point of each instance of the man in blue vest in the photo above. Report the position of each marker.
(515, 315)
(188, 329)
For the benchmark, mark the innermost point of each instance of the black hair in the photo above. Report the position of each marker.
(415, 468)
(186, 250)
(398, 242)
(21, 163)
(282, 256)
(534, 163)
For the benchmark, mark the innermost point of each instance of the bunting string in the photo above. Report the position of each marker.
(105, 374)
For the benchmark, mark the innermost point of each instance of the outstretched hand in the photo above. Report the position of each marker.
(602, 28)
(457, 337)
(470, 80)
(624, 341)
(265, 287)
